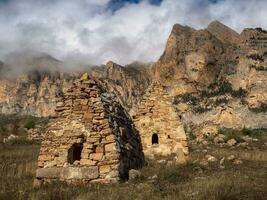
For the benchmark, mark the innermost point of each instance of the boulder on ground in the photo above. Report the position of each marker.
(231, 157)
(211, 158)
(134, 174)
(219, 139)
(231, 142)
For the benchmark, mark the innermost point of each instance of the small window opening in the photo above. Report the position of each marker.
(75, 152)
(155, 139)
(169, 137)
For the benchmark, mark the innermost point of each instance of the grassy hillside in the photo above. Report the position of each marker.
(196, 180)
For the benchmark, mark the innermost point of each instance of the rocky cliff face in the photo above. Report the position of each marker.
(128, 82)
(35, 90)
(195, 56)
(216, 76)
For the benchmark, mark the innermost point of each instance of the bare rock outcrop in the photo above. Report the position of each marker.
(35, 91)
(223, 33)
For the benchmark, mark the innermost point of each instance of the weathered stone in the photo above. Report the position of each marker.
(211, 158)
(45, 157)
(110, 147)
(85, 148)
(219, 139)
(104, 169)
(96, 156)
(80, 173)
(48, 172)
(159, 126)
(99, 150)
(88, 162)
(231, 142)
(134, 174)
(231, 157)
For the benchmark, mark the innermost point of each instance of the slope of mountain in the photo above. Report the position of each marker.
(35, 90)
(223, 33)
(216, 77)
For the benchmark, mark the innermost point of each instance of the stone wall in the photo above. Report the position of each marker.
(91, 139)
(156, 116)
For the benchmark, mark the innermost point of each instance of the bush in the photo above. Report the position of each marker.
(192, 136)
(259, 132)
(238, 134)
(199, 109)
(185, 98)
(220, 101)
(239, 93)
(30, 124)
(256, 57)
(231, 134)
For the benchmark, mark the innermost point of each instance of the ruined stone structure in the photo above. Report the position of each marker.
(91, 139)
(160, 128)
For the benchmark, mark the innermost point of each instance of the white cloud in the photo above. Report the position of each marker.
(86, 30)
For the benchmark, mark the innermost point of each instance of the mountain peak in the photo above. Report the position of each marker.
(223, 32)
(216, 23)
(111, 64)
(180, 29)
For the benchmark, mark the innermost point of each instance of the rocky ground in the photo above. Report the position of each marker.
(231, 165)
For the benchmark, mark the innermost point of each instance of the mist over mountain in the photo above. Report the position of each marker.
(96, 31)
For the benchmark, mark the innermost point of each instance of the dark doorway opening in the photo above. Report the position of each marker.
(155, 139)
(75, 152)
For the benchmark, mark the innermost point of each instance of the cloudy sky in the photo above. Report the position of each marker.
(95, 31)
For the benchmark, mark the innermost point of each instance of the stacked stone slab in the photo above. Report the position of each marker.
(156, 116)
(90, 119)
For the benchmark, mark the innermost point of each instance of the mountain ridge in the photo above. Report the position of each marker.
(210, 72)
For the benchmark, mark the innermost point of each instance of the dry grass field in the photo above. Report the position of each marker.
(194, 180)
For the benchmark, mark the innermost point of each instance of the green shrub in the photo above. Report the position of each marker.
(192, 136)
(238, 134)
(231, 134)
(220, 101)
(185, 98)
(199, 109)
(239, 93)
(259, 132)
(30, 124)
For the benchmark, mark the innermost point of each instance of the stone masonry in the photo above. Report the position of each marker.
(91, 139)
(161, 130)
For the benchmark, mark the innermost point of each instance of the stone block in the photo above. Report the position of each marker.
(45, 157)
(88, 162)
(48, 172)
(110, 138)
(104, 169)
(88, 116)
(106, 131)
(99, 150)
(96, 156)
(80, 172)
(110, 147)
(93, 139)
